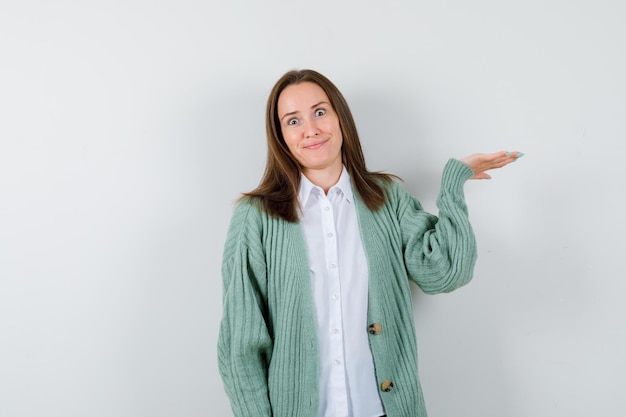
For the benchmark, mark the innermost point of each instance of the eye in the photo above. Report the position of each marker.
(292, 122)
(320, 112)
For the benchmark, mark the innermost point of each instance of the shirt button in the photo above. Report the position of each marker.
(326, 208)
(335, 331)
(330, 235)
(335, 296)
(374, 328)
(386, 386)
(333, 266)
(337, 362)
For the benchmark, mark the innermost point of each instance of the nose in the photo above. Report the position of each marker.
(311, 129)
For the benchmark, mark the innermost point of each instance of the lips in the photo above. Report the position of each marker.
(316, 145)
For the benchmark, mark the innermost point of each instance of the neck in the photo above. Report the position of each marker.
(324, 178)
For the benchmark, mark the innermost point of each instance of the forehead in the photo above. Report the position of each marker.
(300, 97)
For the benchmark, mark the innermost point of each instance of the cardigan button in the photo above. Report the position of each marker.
(374, 328)
(386, 386)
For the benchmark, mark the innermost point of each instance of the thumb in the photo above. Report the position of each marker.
(481, 176)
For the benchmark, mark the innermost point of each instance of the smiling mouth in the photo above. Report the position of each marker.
(316, 145)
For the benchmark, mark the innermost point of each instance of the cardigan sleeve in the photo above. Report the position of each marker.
(244, 342)
(439, 252)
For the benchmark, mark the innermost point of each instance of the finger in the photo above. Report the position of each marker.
(509, 157)
(514, 155)
(502, 160)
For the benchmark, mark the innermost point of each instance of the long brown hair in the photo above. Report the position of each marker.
(278, 190)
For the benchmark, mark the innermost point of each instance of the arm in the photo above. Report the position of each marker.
(244, 343)
(440, 253)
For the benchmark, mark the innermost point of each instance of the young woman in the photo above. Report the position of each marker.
(317, 315)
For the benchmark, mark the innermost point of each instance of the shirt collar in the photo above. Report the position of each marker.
(345, 185)
(306, 187)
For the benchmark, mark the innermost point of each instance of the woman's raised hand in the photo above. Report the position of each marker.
(481, 162)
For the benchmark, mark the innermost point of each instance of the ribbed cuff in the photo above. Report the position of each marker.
(455, 173)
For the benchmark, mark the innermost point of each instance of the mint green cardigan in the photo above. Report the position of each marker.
(267, 347)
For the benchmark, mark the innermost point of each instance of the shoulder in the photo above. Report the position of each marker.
(394, 191)
(244, 239)
(246, 209)
(396, 200)
(246, 220)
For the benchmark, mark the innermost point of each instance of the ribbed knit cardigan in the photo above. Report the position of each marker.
(268, 348)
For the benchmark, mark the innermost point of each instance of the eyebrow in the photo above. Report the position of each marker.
(295, 112)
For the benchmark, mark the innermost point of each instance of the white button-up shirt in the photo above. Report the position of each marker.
(339, 276)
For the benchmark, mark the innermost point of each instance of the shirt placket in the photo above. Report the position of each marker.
(337, 374)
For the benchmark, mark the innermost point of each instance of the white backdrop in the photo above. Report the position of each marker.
(127, 129)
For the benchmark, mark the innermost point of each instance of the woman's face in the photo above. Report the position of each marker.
(310, 127)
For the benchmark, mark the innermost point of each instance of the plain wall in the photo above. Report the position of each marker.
(128, 128)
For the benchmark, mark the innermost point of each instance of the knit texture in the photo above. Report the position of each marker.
(267, 346)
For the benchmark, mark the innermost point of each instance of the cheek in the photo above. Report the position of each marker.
(291, 143)
(339, 134)
(336, 128)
